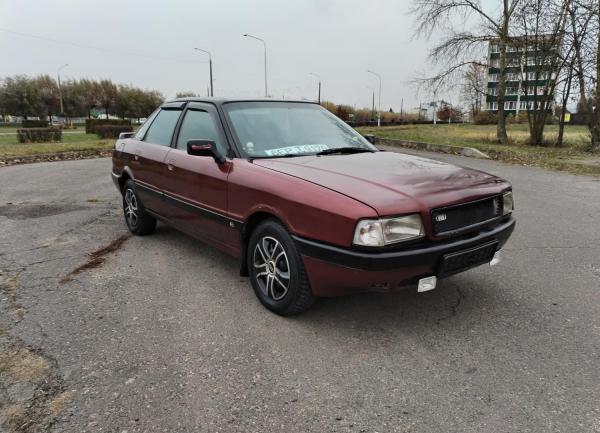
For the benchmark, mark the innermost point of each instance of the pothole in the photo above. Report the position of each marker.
(32, 394)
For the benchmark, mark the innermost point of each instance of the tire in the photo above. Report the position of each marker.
(271, 250)
(138, 221)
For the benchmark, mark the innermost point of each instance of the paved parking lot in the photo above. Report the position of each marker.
(164, 336)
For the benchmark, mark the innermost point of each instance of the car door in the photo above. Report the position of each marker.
(196, 186)
(149, 156)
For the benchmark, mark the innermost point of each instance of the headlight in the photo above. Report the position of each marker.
(385, 231)
(508, 203)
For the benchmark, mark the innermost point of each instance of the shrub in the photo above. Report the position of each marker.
(25, 123)
(485, 118)
(112, 131)
(39, 135)
(92, 124)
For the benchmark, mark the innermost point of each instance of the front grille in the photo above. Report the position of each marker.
(464, 216)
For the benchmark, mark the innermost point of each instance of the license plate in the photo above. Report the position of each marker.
(454, 263)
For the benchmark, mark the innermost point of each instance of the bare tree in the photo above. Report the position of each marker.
(473, 88)
(461, 48)
(541, 27)
(585, 22)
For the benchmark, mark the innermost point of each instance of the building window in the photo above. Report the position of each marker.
(531, 76)
(523, 105)
(510, 105)
(512, 90)
(492, 106)
(493, 78)
(495, 63)
(530, 61)
(495, 48)
(492, 91)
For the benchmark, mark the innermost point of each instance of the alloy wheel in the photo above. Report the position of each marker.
(131, 208)
(273, 268)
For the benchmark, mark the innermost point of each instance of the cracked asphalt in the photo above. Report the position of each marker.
(165, 336)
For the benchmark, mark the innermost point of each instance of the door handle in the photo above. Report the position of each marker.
(170, 165)
(137, 154)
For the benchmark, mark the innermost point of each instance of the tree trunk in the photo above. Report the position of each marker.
(595, 119)
(501, 89)
(563, 107)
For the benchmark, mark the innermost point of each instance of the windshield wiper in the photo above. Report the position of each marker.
(344, 150)
(285, 155)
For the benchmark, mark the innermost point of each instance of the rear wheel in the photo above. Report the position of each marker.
(137, 219)
(276, 270)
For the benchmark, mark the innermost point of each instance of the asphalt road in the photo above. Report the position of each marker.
(164, 336)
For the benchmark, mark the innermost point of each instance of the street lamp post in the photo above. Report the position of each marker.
(379, 98)
(265, 50)
(319, 94)
(60, 96)
(209, 68)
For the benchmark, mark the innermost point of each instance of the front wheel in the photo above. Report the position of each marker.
(276, 270)
(137, 219)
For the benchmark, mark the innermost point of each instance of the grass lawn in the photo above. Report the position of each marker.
(9, 147)
(482, 137)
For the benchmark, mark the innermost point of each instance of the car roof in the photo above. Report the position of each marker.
(219, 101)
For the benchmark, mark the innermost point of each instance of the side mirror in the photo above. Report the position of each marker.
(205, 148)
(370, 138)
(124, 135)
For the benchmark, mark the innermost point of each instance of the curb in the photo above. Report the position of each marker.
(49, 157)
(440, 148)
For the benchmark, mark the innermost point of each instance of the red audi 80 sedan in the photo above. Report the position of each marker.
(310, 207)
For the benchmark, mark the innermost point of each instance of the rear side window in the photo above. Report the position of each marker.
(198, 125)
(161, 129)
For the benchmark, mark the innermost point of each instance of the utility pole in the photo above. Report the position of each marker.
(372, 102)
(319, 93)
(379, 102)
(401, 109)
(209, 68)
(62, 108)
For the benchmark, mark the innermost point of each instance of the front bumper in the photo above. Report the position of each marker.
(335, 271)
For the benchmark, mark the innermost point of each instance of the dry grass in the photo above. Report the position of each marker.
(20, 364)
(14, 416)
(483, 138)
(58, 403)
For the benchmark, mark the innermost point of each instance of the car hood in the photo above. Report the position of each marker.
(390, 182)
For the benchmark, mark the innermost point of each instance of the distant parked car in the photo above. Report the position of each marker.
(308, 205)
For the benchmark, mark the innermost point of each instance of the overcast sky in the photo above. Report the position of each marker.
(336, 39)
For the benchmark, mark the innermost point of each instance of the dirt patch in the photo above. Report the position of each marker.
(33, 393)
(98, 257)
(22, 211)
(8, 289)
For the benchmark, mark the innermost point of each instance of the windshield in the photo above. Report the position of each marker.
(275, 129)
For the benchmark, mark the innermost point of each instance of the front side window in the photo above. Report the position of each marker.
(161, 129)
(272, 129)
(199, 125)
(139, 134)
